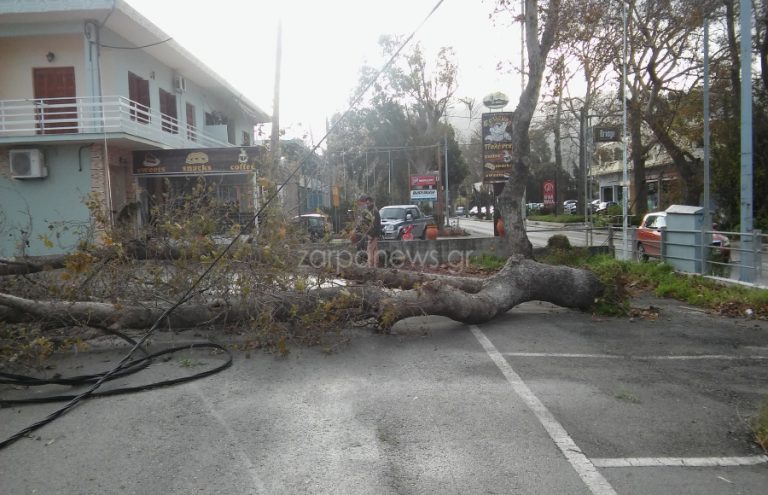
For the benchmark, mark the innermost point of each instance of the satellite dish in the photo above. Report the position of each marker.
(495, 100)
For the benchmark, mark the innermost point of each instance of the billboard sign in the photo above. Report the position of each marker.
(497, 146)
(423, 180)
(423, 195)
(199, 161)
(549, 192)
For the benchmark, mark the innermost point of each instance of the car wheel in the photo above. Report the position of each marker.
(640, 253)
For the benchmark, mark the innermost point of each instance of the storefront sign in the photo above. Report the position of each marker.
(497, 146)
(424, 195)
(199, 161)
(423, 180)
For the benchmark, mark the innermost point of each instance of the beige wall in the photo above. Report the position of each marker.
(26, 53)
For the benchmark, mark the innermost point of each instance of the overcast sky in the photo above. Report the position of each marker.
(325, 43)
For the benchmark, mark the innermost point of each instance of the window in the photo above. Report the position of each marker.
(168, 112)
(191, 123)
(138, 93)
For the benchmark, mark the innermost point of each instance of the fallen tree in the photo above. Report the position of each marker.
(388, 296)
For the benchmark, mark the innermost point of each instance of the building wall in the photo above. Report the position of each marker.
(46, 216)
(28, 52)
(116, 63)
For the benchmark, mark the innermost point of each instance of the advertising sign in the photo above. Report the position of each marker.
(423, 180)
(423, 195)
(199, 161)
(549, 192)
(497, 146)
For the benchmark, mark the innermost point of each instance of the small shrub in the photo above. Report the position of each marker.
(559, 241)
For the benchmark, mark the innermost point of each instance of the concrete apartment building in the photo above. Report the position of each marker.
(97, 103)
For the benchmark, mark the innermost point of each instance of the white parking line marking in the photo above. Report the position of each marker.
(727, 357)
(680, 461)
(234, 440)
(589, 474)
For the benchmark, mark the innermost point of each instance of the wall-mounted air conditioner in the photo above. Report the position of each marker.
(27, 164)
(179, 83)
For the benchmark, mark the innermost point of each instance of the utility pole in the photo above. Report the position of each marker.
(625, 175)
(748, 269)
(447, 192)
(275, 139)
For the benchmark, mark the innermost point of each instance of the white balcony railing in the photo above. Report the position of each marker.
(98, 115)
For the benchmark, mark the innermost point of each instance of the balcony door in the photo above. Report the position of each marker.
(168, 111)
(55, 94)
(138, 93)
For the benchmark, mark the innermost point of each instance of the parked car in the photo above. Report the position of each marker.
(460, 211)
(602, 208)
(317, 225)
(570, 205)
(395, 218)
(648, 237)
(481, 210)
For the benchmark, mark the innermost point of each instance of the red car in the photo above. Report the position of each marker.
(648, 241)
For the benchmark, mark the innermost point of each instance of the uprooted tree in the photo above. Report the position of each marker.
(262, 280)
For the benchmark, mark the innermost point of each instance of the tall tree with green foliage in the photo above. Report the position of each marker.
(404, 112)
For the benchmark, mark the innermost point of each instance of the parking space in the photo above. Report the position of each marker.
(647, 400)
(541, 400)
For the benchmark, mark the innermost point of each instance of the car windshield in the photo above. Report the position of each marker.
(392, 213)
(656, 222)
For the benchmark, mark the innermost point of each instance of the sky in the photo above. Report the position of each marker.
(325, 44)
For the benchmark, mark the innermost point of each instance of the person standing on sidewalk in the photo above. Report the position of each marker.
(371, 223)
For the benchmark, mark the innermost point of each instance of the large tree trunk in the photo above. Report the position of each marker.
(400, 295)
(511, 200)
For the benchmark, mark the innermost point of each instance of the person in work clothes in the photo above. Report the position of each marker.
(371, 227)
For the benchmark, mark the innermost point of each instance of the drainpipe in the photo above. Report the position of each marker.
(92, 31)
(92, 35)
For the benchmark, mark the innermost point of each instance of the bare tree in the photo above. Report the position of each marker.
(541, 25)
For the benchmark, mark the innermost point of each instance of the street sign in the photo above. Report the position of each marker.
(423, 195)
(607, 134)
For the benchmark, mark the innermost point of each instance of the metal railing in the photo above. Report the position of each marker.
(741, 258)
(98, 115)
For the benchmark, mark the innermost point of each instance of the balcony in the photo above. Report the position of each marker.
(82, 119)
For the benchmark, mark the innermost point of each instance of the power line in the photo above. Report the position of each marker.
(135, 47)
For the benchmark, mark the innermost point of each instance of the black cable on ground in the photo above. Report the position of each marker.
(124, 362)
(30, 381)
(130, 368)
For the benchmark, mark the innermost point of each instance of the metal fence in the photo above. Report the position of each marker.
(726, 255)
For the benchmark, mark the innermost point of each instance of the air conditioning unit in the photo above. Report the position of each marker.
(27, 164)
(179, 83)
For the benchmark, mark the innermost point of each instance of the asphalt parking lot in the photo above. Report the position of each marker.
(542, 400)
